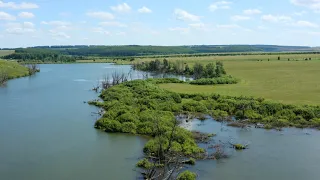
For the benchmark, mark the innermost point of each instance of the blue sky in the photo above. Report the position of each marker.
(166, 22)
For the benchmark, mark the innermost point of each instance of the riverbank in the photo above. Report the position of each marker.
(12, 70)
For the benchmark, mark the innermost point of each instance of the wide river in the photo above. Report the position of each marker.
(46, 132)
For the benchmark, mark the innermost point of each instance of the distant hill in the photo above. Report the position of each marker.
(52, 52)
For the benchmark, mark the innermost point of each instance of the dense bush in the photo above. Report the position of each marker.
(187, 175)
(198, 71)
(213, 81)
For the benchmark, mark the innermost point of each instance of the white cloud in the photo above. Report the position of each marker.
(305, 24)
(100, 30)
(180, 29)
(185, 16)
(101, 15)
(7, 17)
(13, 5)
(19, 28)
(59, 35)
(121, 34)
(26, 15)
(144, 10)
(56, 23)
(28, 25)
(121, 8)
(113, 24)
(227, 26)
(252, 11)
(197, 25)
(315, 33)
(220, 5)
(240, 18)
(276, 18)
(301, 13)
(311, 4)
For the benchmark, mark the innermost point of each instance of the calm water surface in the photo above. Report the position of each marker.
(46, 132)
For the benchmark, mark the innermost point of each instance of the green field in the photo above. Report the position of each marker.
(6, 52)
(13, 69)
(253, 57)
(294, 82)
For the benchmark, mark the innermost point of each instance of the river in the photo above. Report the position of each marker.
(46, 132)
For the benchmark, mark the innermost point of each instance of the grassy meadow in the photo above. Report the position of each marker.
(294, 82)
(13, 69)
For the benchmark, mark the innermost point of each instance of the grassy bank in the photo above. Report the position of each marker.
(13, 69)
(284, 81)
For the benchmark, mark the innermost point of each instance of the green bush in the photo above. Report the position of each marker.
(214, 81)
(129, 127)
(145, 164)
(108, 125)
(187, 175)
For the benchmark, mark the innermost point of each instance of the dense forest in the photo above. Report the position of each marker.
(71, 53)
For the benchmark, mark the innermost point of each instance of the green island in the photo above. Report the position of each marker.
(259, 86)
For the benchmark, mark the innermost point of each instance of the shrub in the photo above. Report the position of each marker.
(214, 81)
(108, 125)
(187, 175)
(129, 127)
(144, 163)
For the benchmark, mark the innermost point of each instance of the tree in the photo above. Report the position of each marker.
(210, 70)
(198, 71)
(220, 69)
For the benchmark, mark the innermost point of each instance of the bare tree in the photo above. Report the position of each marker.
(33, 68)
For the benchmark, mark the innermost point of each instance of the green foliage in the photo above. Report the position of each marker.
(129, 127)
(181, 68)
(145, 164)
(213, 81)
(187, 175)
(109, 125)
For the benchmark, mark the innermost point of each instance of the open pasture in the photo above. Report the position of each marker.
(293, 82)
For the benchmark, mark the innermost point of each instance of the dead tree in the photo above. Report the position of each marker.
(33, 68)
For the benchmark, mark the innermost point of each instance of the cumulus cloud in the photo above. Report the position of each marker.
(301, 13)
(19, 28)
(121, 8)
(101, 15)
(59, 35)
(276, 18)
(56, 23)
(113, 24)
(240, 18)
(13, 5)
(144, 10)
(311, 4)
(227, 26)
(100, 30)
(251, 11)
(26, 15)
(7, 17)
(220, 5)
(185, 16)
(180, 29)
(305, 24)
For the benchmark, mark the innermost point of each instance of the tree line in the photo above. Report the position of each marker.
(198, 71)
